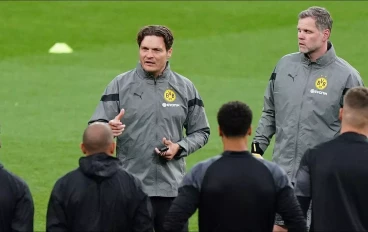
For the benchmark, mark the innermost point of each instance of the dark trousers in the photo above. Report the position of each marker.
(161, 206)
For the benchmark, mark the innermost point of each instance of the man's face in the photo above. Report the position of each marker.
(310, 39)
(153, 54)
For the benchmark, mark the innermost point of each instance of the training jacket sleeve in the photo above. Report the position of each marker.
(56, 216)
(287, 203)
(354, 80)
(196, 126)
(289, 209)
(24, 212)
(266, 125)
(187, 201)
(109, 105)
(185, 204)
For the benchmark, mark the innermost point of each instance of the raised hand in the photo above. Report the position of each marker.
(116, 125)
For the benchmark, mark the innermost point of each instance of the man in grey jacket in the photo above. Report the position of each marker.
(304, 94)
(156, 105)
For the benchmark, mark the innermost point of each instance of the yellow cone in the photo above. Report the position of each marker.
(60, 48)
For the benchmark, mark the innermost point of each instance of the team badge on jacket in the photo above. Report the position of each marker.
(321, 83)
(169, 95)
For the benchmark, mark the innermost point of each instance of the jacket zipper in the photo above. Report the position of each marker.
(310, 65)
(157, 139)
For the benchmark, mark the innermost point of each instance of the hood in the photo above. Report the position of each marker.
(99, 165)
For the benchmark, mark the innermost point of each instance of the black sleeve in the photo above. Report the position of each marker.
(142, 219)
(287, 204)
(24, 212)
(304, 204)
(186, 203)
(289, 209)
(182, 208)
(302, 179)
(303, 182)
(56, 217)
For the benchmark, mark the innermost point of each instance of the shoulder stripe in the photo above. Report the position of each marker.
(110, 97)
(194, 102)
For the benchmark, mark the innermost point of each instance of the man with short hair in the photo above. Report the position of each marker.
(98, 195)
(304, 94)
(334, 174)
(235, 191)
(157, 105)
(16, 203)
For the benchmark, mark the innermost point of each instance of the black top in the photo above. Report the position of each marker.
(334, 175)
(99, 196)
(16, 203)
(236, 192)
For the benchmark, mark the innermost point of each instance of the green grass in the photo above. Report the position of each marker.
(228, 49)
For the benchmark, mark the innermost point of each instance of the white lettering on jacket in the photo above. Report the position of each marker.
(318, 92)
(170, 105)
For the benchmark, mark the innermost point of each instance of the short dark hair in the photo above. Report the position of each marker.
(157, 30)
(234, 119)
(321, 15)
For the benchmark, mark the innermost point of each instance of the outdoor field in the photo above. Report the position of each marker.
(228, 50)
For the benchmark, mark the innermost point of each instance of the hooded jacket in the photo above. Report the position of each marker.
(98, 196)
(16, 203)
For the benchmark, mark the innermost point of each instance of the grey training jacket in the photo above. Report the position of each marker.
(301, 105)
(155, 108)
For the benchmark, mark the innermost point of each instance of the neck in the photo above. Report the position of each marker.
(318, 53)
(99, 152)
(347, 128)
(235, 144)
(159, 73)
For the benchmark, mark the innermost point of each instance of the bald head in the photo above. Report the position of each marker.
(355, 111)
(98, 138)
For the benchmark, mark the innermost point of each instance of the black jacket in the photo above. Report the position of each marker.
(16, 203)
(98, 196)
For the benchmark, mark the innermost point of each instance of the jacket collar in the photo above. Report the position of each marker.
(354, 136)
(327, 58)
(228, 152)
(145, 75)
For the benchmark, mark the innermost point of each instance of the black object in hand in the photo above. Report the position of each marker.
(164, 149)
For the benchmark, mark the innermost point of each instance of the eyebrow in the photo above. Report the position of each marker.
(159, 49)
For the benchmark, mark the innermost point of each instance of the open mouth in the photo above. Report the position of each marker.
(149, 63)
